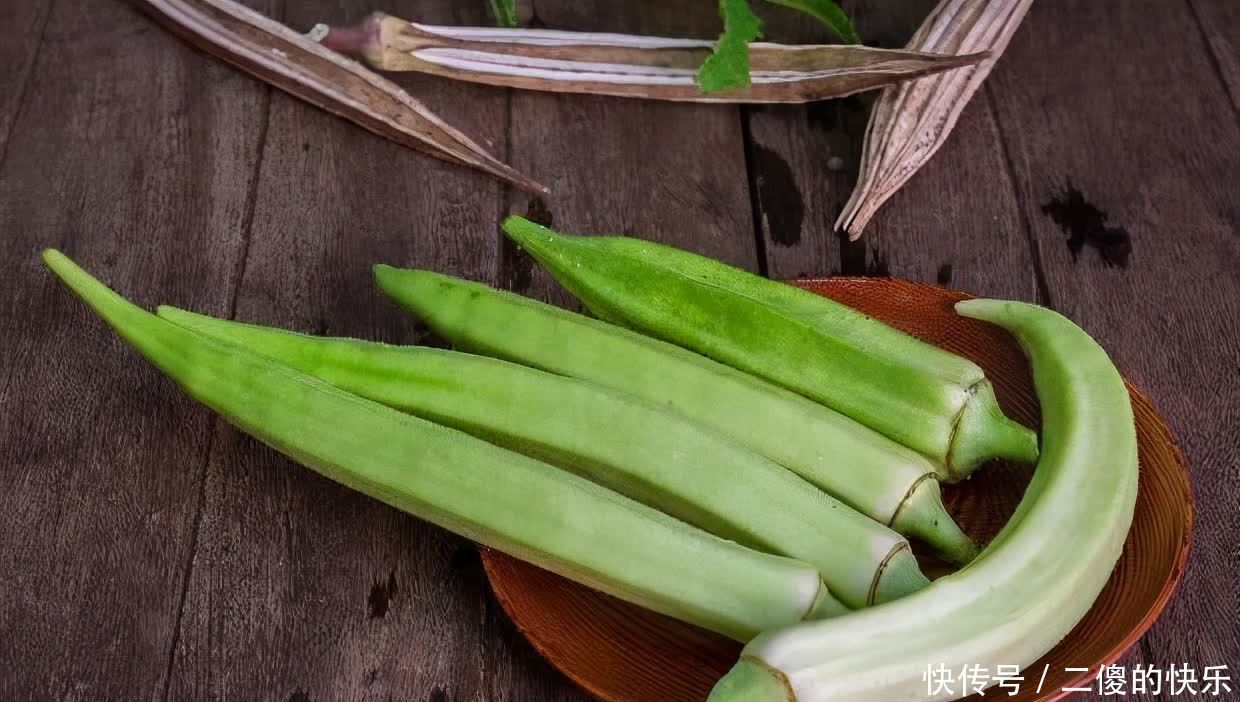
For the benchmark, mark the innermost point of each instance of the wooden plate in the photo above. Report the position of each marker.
(622, 653)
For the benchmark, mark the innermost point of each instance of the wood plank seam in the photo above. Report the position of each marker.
(23, 91)
(1009, 170)
(251, 203)
(1215, 63)
(192, 552)
(238, 276)
(247, 235)
(504, 198)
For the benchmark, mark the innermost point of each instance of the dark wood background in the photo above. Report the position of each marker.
(150, 551)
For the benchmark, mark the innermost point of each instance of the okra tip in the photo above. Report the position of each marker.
(387, 276)
(68, 271)
(400, 282)
(418, 291)
(520, 229)
(52, 257)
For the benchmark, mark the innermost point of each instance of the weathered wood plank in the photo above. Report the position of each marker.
(22, 25)
(1219, 23)
(138, 163)
(300, 588)
(1126, 171)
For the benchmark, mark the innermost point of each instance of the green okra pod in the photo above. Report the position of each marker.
(923, 397)
(864, 469)
(637, 448)
(497, 497)
(1031, 585)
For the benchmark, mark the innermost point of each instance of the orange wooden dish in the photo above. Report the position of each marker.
(622, 653)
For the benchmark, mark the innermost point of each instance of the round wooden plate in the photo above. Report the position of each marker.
(622, 653)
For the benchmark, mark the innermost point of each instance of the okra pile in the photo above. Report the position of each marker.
(726, 450)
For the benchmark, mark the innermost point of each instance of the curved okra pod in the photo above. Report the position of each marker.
(1026, 591)
(657, 457)
(921, 396)
(888, 482)
(500, 498)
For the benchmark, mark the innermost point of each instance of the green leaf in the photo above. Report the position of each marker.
(728, 66)
(828, 13)
(505, 12)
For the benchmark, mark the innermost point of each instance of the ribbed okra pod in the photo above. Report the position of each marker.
(657, 457)
(517, 504)
(917, 394)
(866, 470)
(1032, 584)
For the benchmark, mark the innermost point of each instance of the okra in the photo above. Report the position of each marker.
(923, 397)
(1030, 586)
(657, 457)
(497, 497)
(862, 468)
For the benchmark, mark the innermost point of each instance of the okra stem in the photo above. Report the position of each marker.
(983, 432)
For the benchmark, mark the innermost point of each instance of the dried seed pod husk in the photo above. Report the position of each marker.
(658, 68)
(277, 55)
(911, 121)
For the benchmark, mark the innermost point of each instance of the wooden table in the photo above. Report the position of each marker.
(150, 551)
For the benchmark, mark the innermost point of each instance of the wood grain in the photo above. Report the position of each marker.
(143, 180)
(22, 27)
(1219, 23)
(1172, 191)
